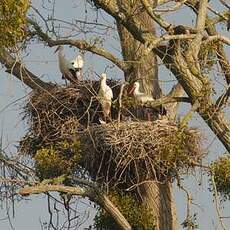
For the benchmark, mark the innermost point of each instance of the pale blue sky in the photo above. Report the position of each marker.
(43, 62)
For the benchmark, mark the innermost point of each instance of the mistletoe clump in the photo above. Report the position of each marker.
(56, 160)
(12, 21)
(221, 171)
(138, 214)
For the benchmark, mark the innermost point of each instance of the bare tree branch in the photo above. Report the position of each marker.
(81, 44)
(211, 30)
(225, 4)
(223, 99)
(93, 195)
(194, 46)
(21, 72)
(200, 26)
(164, 24)
(16, 166)
(176, 92)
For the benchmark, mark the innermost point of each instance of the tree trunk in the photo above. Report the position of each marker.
(143, 67)
(157, 197)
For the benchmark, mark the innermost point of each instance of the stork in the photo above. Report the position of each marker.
(144, 98)
(105, 96)
(139, 96)
(78, 64)
(66, 68)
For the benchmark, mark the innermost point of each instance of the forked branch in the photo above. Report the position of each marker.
(91, 193)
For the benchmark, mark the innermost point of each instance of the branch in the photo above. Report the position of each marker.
(81, 44)
(172, 8)
(166, 100)
(20, 71)
(132, 24)
(218, 37)
(211, 30)
(162, 2)
(16, 166)
(164, 24)
(194, 46)
(221, 16)
(223, 99)
(225, 4)
(217, 202)
(93, 195)
(177, 91)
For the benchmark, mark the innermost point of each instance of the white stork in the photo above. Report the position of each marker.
(143, 98)
(66, 68)
(105, 96)
(139, 96)
(78, 64)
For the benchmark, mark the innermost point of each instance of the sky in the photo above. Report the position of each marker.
(31, 213)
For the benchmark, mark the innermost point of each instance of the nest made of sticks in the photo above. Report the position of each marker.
(138, 151)
(63, 126)
(56, 114)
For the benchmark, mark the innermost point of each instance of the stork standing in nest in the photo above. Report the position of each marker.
(66, 68)
(105, 96)
(143, 98)
(78, 64)
(139, 96)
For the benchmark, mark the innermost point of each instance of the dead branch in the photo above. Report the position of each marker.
(216, 199)
(224, 98)
(93, 195)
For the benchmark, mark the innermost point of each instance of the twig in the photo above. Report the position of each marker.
(217, 201)
(95, 196)
(81, 44)
(120, 102)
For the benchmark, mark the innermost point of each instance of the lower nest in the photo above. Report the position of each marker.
(138, 151)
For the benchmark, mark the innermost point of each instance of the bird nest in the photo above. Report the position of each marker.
(64, 121)
(138, 151)
(56, 114)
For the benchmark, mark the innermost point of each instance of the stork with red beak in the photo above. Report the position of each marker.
(139, 96)
(66, 68)
(144, 98)
(105, 96)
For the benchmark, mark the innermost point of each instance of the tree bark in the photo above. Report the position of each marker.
(158, 198)
(143, 66)
(19, 71)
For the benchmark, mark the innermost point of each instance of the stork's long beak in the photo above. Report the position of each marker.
(131, 89)
(57, 49)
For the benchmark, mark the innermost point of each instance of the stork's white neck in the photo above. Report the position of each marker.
(137, 89)
(103, 80)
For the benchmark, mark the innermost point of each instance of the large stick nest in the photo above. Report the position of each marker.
(116, 152)
(57, 114)
(137, 151)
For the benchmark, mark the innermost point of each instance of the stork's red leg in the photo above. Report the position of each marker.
(148, 116)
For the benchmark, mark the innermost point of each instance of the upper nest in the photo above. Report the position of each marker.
(140, 151)
(56, 114)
